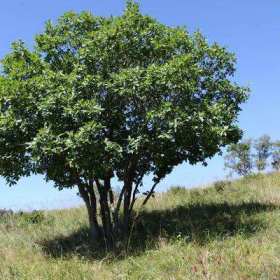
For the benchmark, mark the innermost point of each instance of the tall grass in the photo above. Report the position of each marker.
(229, 230)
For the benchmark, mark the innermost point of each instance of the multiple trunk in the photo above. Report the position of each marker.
(109, 212)
(88, 195)
(113, 224)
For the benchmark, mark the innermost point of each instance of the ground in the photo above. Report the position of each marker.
(229, 230)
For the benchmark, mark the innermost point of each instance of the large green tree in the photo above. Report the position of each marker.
(119, 97)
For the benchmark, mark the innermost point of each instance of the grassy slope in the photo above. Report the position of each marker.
(185, 234)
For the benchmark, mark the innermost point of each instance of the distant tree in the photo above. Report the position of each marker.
(120, 97)
(262, 147)
(276, 156)
(239, 159)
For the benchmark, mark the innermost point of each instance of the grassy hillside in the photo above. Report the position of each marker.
(226, 231)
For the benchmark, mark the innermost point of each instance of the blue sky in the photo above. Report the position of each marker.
(251, 29)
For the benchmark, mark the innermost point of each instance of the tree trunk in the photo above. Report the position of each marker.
(93, 223)
(106, 221)
(90, 201)
(106, 212)
(116, 215)
(126, 207)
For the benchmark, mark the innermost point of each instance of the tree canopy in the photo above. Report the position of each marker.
(123, 97)
(239, 158)
(263, 147)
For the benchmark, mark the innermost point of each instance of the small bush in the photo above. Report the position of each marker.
(34, 217)
(221, 185)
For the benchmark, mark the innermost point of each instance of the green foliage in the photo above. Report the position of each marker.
(239, 159)
(276, 156)
(34, 217)
(24, 218)
(221, 185)
(97, 91)
(263, 147)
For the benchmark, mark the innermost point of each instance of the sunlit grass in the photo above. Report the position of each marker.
(225, 231)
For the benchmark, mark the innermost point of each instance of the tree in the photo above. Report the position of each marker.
(276, 156)
(120, 97)
(238, 158)
(263, 147)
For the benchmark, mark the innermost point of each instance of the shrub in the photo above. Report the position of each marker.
(221, 185)
(34, 217)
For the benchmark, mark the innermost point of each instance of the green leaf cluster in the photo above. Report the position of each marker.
(98, 96)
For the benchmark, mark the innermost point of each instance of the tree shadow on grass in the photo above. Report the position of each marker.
(200, 223)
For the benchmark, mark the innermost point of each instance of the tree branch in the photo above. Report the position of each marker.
(135, 191)
(118, 206)
(150, 193)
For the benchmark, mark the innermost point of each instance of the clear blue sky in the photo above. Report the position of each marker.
(249, 28)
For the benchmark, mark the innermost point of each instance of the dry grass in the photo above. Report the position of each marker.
(226, 231)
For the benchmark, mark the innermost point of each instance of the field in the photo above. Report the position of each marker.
(229, 230)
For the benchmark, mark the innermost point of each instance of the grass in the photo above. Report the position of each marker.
(229, 230)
